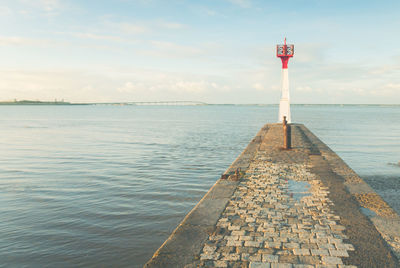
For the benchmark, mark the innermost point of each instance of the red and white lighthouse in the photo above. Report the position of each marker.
(285, 52)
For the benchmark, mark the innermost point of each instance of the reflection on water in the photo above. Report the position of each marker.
(368, 212)
(106, 185)
(298, 189)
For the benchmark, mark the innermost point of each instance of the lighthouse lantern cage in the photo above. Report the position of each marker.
(285, 50)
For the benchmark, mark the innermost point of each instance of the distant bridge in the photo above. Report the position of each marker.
(163, 103)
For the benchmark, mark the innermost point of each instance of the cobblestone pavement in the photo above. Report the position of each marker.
(279, 216)
(290, 208)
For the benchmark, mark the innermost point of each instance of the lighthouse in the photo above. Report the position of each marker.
(285, 52)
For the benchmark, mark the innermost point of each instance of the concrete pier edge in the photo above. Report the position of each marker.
(349, 193)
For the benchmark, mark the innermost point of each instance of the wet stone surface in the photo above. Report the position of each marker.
(279, 216)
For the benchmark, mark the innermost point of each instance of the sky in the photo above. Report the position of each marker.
(214, 51)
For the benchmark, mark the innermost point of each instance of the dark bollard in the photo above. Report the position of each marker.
(224, 176)
(237, 173)
(232, 176)
(287, 135)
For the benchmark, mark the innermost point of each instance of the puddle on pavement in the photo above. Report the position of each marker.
(298, 189)
(368, 212)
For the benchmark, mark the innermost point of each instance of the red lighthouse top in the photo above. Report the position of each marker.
(284, 52)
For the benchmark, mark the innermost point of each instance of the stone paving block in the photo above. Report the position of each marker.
(238, 233)
(231, 257)
(309, 245)
(209, 256)
(301, 251)
(209, 249)
(283, 252)
(246, 238)
(313, 260)
(281, 265)
(288, 259)
(255, 258)
(331, 260)
(250, 250)
(333, 240)
(233, 227)
(234, 243)
(226, 249)
(232, 237)
(270, 258)
(338, 253)
(344, 246)
(291, 245)
(259, 265)
(266, 251)
(252, 244)
(216, 237)
(272, 244)
(220, 264)
(319, 252)
(245, 256)
(326, 246)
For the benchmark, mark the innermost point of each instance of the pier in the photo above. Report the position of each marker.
(276, 207)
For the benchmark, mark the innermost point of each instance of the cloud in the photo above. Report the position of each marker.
(304, 88)
(98, 36)
(143, 27)
(388, 89)
(209, 12)
(128, 87)
(241, 3)
(5, 11)
(310, 53)
(171, 50)
(191, 86)
(172, 25)
(173, 85)
(131, 28)
(21, 41)
(49, 7)
(101, 86)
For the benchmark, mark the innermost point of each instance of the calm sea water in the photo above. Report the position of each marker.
(90, 186)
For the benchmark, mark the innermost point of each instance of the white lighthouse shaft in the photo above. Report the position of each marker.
(284, 105)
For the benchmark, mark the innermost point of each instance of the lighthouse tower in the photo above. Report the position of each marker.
(285, 52)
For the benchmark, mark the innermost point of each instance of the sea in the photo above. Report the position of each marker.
(105, 185)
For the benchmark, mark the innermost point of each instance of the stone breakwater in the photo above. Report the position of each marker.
(302, 207)
(264, 225)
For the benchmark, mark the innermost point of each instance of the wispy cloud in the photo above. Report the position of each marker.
(5, 11)
(130, 28)
(169, 49)
(122, 85)
(94, 36)
(388, 89)
(144, 27)
(241, 3)
(304, 88)
(22, 41)
(48, 7)
(172, 25)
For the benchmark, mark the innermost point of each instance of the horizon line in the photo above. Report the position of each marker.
(166, 103)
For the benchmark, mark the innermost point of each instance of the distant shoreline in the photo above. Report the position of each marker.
(171, 103)
(29, 102)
